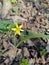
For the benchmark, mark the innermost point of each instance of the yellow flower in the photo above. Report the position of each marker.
(17, 29)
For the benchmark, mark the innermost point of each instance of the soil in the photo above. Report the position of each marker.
(34, 15)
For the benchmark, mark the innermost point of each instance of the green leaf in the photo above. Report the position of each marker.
(14, 1)
(4, 24)
(1, 51)
(6, 21)
(24, 62)
(43, 52)
(32, 35)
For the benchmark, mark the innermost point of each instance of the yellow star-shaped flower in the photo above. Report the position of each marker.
(17, 29)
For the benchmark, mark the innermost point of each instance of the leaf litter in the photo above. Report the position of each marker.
(34, 15)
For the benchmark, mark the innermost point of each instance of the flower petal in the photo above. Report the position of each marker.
(20, 26)
(14, 29)
(18, 32)
(21, 30)
(17, 25)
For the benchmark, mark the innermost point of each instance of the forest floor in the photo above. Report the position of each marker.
(34, 16)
